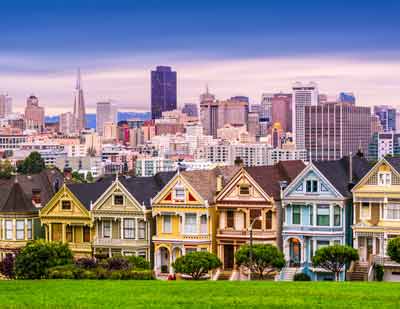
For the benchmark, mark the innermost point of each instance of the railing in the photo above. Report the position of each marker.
(196, 236)
(86, 246)
(246, 233)
(118, 241)
(331, 229)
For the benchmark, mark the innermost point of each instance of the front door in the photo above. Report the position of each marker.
(369, 247)
(295, 254)
(228, 256)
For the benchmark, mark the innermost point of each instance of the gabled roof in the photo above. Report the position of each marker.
(394, 162)
(269, 176)
(338, 172)
(88, 193)
(17, 201)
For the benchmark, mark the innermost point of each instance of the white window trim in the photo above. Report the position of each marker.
(387, 174)
(384, 213)
(291, 219)
(369, 212)
(180, 187)
(163, 224)
(197, 226)
(311, 192)
(113, 199)
(103, 226)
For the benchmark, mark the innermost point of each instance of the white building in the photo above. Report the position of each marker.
(5, 105)
(67, 123)
(12, 142)
(303, 95)
(106, 112)
(150, 166)
(278, 154)
(82, 165)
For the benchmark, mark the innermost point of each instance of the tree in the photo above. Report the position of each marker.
(38, 256)
(393, 249)
(334, 258)
(89, 177)
(6, 169)
(266, 259)
(196, 264)
(78, 177)
(33, 164)
(7, 266)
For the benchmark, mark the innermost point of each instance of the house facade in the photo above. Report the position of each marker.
(317, 212)
(185, 216)
(376, 207)
(251, 197)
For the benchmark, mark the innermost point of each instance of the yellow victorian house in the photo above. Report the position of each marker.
(185, 216)
(376, 217)
(67, 216)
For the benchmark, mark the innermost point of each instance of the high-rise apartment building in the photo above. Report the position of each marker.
(265, 113)
(106, 112)
(334, 130)
(66, 123)
(387, 117)
(34, 114)
(79, 106)
(281, 110)
(303, 95)
(163, 91)
(384, 144)
(5, 105)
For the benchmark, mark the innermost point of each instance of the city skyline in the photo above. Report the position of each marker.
(335, 45)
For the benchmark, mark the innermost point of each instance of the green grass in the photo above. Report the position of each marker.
(220, 294)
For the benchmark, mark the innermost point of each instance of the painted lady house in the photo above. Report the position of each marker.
(122, 216)
(251, 198)
(185, 216)
(317, 212)
(377, 219)
(20, 200)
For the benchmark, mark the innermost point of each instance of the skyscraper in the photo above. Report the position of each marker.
(79, 106)
(265, 113)
(303, 95)
(163, 91)
(387, 117)
(281, 111)
(5, 105)
(34, 114)
(66, 123)
(106, 112)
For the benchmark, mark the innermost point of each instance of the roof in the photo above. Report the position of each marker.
(395, 162)
(338, 172)
(205, 181)
(269, 176)
(88, 193)
(17, 201)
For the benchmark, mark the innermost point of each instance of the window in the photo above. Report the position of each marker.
(29, 229)
(255, 213)
(36, 196)
(65, 205)
(142, 230)
(167, 227)
(203, 224)
(365, 210)
(336, 216)
(190, 223)
(106, 229)
(86, 234)
(268, 220)
(384, 178)
(20, 229)
(322, 243)
(179, 193)
(129, 228)
(323, 215)
(230, 219)
(311, 222)
(244, 190)
(392, 212)
(68, 233)
(118, 199)
(142, 254)
(188, 250)
(203, 249)
(296, 214)
(9, 229)
(312, 186)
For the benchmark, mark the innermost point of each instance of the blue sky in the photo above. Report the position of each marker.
(346, 45)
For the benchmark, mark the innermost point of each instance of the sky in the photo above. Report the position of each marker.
(236, 47)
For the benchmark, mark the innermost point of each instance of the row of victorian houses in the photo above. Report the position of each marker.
(295, 206)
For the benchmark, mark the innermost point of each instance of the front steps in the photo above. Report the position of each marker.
(287, 273)
(360, 272)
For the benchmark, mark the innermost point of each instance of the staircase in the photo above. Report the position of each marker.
(287, 273)
(225, 275)
(359, 272)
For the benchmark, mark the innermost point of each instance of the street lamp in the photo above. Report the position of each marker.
(251, 243)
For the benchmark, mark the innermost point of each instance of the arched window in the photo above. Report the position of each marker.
(268, 220)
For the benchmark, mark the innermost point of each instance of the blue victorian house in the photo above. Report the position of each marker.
(317, 212)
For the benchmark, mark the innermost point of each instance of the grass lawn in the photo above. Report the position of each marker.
(161, 294)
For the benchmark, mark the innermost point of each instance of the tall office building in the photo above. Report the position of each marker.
(303, 95)
(281, 110)
(106, 112)
(265, 113)
(66, 123)
(190, 109)
(34, 114)
(163, 91)
(5, 105)
(79, 106)
(334, 130)
(387, 117)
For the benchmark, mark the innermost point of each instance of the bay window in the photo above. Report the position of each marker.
(190, 223)
(392, 212)
(296, 214)
(203, 224)
(311, 219)
(20, 229)
(106, 229)
(9, 229)
(336, 216)
(29, 229)
(167, 227)
(323, 215)
(142, 230)
(129, 228)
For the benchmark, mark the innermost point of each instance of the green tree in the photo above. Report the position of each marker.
(38, 256)
(393, 249)
(6, 169)
(266, 259)
(78, 177)
(89, 177)
(196, 264)
(33, 164)
(334, 258)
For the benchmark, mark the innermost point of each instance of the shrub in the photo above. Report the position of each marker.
(101, 273)
(86, 263)
(379, 272)
(138, 262)
(301, 277)
(7, 266)
(393, 249)
(61, 272)
(117, 263)
(196, 264)
(37, 257)
(164, 268)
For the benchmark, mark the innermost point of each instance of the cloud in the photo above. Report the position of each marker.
(374, 80)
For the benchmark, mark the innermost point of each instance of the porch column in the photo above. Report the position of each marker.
(121, 220)
(63, 227)
(374, 245)
(171, 271)
(136, 229)
(50, 236)
(314, 214)
(355, 241)
(96, 221)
